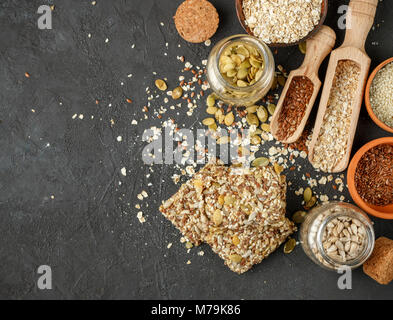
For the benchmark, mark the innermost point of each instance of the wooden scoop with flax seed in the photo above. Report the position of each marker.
(301, 89)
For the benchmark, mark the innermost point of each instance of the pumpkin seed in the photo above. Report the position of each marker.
(289, 245)
(232, 73)
(245, 65)
(299, 216)
(252, 109)
(265, 127)
(271, 108)
(311, 203)
(211, 100)
(260, 162)
(307, 194)
(247, 209)
(198, 185)
(259, 74)
(255, 140)
(235, 240)
(221, 199)
(303, 47)
(236, 59)
(161, 85)
(208, 121)
(229, 118)
(278, 168)
(177, 93)
(262, 114)
(242, 73)
(189, 245)
(241, 65)
(229, 199)
(241, 83)
(217, 217)
(235, 258)
(257, 131)
(252, 119)
(243, 51)
(212, 110)
(213, 127)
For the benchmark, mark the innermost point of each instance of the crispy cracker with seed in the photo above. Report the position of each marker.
(241, 249)
(244, 197)
(220, 202)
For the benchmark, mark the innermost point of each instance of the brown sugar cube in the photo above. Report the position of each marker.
(380, 264)
(196, 20)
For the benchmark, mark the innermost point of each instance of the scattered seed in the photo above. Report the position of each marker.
(208, 121)
(177, 93)
(229, 118)
(161, 85)
(299, 216)
(265, 127)
(289, 245)
(260, 162)
(307, 194)
(271, 108)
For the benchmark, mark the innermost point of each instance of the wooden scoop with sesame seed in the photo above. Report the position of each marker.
(301, 89)
(342, 94)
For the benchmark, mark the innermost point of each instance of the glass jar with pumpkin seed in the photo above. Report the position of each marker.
(240, 70)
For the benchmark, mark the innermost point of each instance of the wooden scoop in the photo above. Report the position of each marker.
(318, 47)
(360, 18)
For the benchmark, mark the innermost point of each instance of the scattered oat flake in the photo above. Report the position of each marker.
(169, 245)
(140, 217)
(119, 138)
(188, 262)
(123, 171)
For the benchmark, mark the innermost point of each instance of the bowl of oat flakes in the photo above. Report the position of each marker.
(379, 95)
(281, 23)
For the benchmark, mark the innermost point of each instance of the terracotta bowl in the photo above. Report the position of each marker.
(385, 212)
(370, 111)
(240, 15)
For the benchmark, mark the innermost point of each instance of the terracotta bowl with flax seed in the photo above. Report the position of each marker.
(383, 212)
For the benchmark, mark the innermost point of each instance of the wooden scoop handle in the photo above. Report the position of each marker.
(318, 47)
(360, 19)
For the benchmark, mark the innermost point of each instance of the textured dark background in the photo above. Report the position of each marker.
(88, 231)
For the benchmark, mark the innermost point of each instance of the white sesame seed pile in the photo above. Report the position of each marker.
(381, 95)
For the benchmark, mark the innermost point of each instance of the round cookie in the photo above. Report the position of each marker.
(196, 20)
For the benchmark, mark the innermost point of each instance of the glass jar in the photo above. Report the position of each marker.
(324, 227)
(240, 96)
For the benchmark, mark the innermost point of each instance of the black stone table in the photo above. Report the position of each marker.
(63, 199)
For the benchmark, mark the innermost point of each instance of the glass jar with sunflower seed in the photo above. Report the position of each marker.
(240, 70)
(336, 235)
